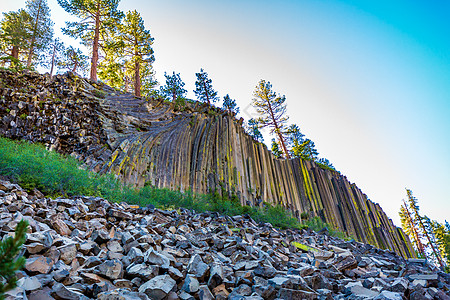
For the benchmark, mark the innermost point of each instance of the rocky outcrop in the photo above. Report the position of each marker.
(198, 147)
(89, 248)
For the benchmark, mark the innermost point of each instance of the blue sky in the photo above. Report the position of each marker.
(368, 81)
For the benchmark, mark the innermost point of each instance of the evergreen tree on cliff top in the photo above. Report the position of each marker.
(230, 104)
(41, 28)
(74, 60)
(275, 148)
(131, 54)
(272, 109)
(98, 20)
(294, 140)
(203, 88)
(173, 89)
(15, 33)
(253, 130)
(55, 54)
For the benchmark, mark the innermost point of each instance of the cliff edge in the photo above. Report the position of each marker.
(197, 147)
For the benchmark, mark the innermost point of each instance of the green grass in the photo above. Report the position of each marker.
(32, 166)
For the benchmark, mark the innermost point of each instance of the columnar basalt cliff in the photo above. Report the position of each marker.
(198, 147)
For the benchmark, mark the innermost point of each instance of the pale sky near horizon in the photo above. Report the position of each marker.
(367, 81)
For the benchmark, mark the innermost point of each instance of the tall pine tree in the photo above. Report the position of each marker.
(442, 234)
(15, 32)
(99, 20)
(55, 54)
(419, 220)
(272, 110)
(203, 88)
(410, 228)
(41, 29)
(131, 55)
(294, 140)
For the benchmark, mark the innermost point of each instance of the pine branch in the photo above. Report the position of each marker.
(9, 264)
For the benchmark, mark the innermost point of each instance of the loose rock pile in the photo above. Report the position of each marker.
(60, 112)
(89, 248)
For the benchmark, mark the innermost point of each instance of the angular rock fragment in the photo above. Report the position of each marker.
(39, 264)
(158, 287)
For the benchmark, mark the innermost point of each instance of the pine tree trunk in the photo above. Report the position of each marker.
(15, 52)
(126, 80)
(33, 39)
(74, 70)
(206, 92)
(94, 60)
(53, 59)
(137, 79)
(428, 238)
(278, 130)
(283, 144)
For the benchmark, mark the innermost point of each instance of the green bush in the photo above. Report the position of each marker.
(32, 166)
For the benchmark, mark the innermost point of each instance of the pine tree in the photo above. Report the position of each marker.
(442, 234)
(111, 70)
(272, 109)
(99, 20)
(137, 46)
(253, 130)
(230, 105)
(129, 57)
(308, 150)
(74, 60)
(174, 87)
(409, 226)
(414, 206)
(294, 140)
(41, 28)
(9, 262)
(55, 54)
(429, 228)
(203, 88)
(275, 147)
(15, 32)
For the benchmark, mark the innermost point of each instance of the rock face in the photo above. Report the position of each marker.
(186, 255)
(200, 148)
